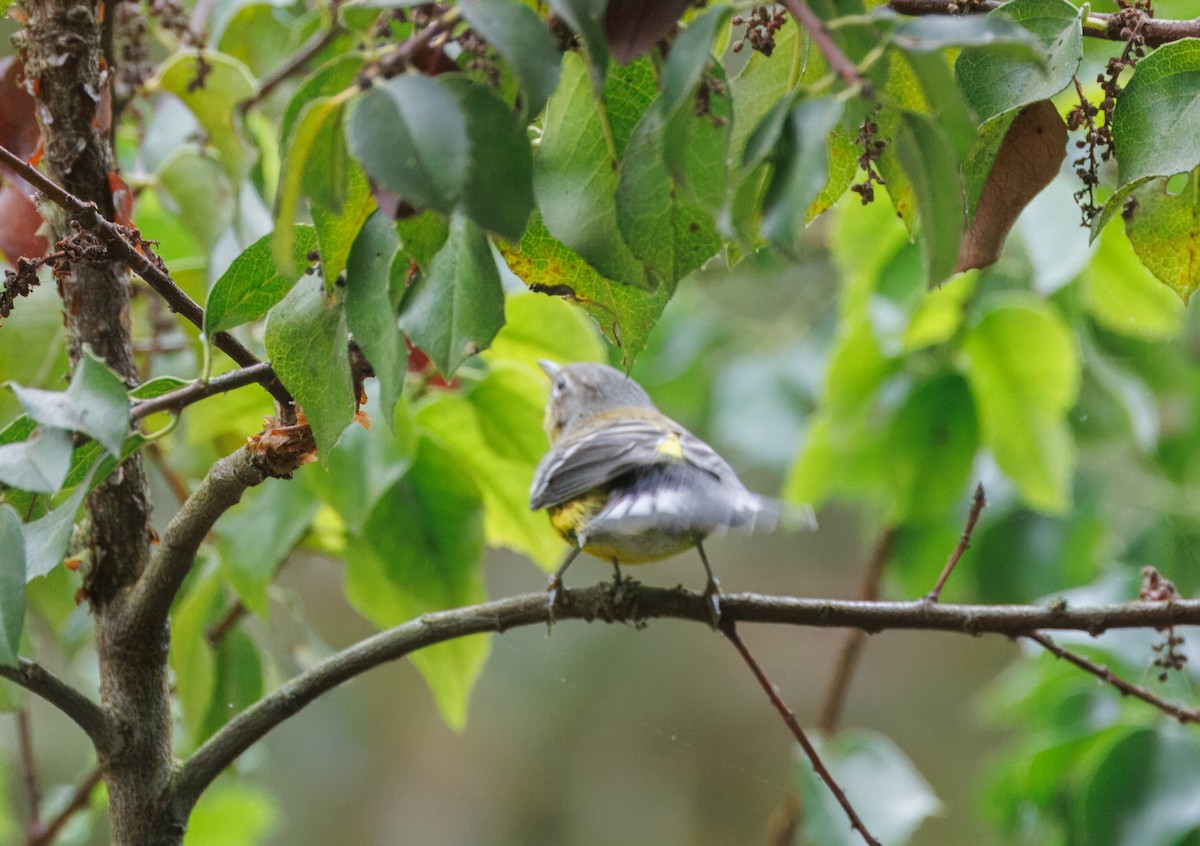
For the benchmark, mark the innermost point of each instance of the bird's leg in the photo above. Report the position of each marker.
(619, 584)
(556, 586)
(616, 573)
(712, 589)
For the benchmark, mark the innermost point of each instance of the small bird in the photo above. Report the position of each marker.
(629, 485)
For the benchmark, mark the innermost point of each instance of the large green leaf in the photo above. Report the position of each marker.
(95, 403)
(232, 814)
(307, 341)
(410, 135)
(191, 655)
(1164, 229)
(626, 315)
(520, 36)
(371, 307)
(224, 83)
(455, 309)
(419, 551)
(38, 464)
(586, 17)
(995, 82)
(931, 166)
(1157, 117)
(537, 327)
(575, 177)
(1122, 295)
(254, 283)
(494, 431)
(337, 229)
(1023, 369)
(200, 189)
(12, 584)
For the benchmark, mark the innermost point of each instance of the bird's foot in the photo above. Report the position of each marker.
(712, 598)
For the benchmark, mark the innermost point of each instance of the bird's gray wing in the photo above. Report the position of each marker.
(608, 451)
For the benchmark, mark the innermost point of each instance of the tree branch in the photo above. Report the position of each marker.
(48, 833)
(1156, 31)
(833, 54)
(83, 711)
(638, 602)
(221, 489)
(120, 243)
(297, 62)
(196, 391)
(977, 505)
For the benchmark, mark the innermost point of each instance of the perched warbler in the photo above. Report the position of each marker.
(627, 484)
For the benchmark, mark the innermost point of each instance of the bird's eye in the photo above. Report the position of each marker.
(560, 384)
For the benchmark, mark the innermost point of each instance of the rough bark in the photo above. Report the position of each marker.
(61, 49)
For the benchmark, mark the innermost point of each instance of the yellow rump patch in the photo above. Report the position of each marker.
(671, 446)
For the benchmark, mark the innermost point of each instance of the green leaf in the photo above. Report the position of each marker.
(191, 656)
(259, 533)
(1157, 117)
(689, 56)
(1023, 399)
(930, 445)
(158, 386)
(1123, 296)
(46, 538)
(95, 403)
(586, 17)
(12, 585)
(499, 192)
(366, 464)
(238, 672)
(455, 309)
(39, 464)
(521, 38)
(1164, 229)
(761, 85)
(994, 33)
(420, 551)
(307, 341)
(226, 82)
(232, 814)
(199, 187)
(320, 120)
(931, 166)
(537, 327)
(881, 783)
(995, 82)
(625, 314)
(371, 309)
(801, 171)
(253, 283)
(576, 179)
(335, 76)
(336, 230)
(410, 135)
(495, 433)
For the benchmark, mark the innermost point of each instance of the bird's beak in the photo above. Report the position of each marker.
(549, 366)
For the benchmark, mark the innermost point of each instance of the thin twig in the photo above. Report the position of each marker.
(977, 504)
(640, 603)
(29, 769)
(1184, 715)
(847, 661)
(1157, 31)
(196, 391)
(125, 246)
(789, 718)
(295, 63)
(79, 801)
(833, 54)
(37, 679)
(220, 629)
(396, 61)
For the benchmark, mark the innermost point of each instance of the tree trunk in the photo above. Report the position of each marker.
(61, 46)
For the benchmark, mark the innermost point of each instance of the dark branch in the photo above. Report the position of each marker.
(48, 833)
(295, 63)
(639, 603)
(221, 489)
(86, 714)
(1155, 30)
(977, 505)
(188, 394)
(120, 242)
(789, 718)
(1184, 715)
(833, 54)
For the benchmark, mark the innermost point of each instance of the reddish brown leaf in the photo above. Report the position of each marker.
(632, 27)
(19, 223)
(1029, 158)
(18, 123)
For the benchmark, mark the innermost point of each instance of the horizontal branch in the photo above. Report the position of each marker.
(83, 711)
(1107, 25)
(220, 490)
(117, 239)
(196, 391)
(640, 603)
